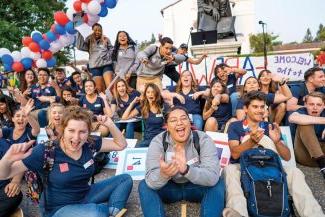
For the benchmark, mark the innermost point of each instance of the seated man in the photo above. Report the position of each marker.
(178, 168)
(247, 134)
(310, 120)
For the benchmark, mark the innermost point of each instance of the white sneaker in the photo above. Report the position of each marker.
(229, 212)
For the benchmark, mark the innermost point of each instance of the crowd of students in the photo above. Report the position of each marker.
(122, 83)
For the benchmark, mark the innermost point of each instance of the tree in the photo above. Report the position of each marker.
(308, 37)
(20, 17)
(320, 35)
(257, 42)
(142, 45)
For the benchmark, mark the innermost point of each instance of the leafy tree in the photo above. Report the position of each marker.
(320, 35)
(308, 37)
(142, 45)
(257, 42)
(20, 17)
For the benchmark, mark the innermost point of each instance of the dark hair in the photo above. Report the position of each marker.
(73, 94)
(23, 82)
(253, 95)
(272, 85)
(75, 73)
(117, 44)
(166, 117)
(96, 24)
(165, 40)
(11, 107)
(219, 66)
(44, 69)
(93, 41)
(243, 92)
(59, 69)
(210, 98)
(92, 81)
(311, 72)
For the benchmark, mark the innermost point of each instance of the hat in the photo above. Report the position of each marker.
(183, 46)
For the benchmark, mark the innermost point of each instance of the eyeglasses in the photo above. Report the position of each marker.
(182, 119)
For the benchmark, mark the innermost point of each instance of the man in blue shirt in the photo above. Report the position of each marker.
(309, 150)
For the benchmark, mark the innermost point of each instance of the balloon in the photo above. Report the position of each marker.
(34, 47)
(61, 18)
(45, 45)
(64, 40)
(84, 7)
(103, 12)
(70, 28)
(94, 8)
(110, 3)
(51, 62)
(36, 36)
(26, 40)
(50, 36)
(7, 59)
(41, 63)
(7, 67)
(25, 52)
(59, 29)
(4, 51)
(85, 18)
(93, 19)
(47, 55)
(16, 55)
(27, 63)
(77, 6)
(70, 13)
(85, 1)
(36, 55)
(18, 66)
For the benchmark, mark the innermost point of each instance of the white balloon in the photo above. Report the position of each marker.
(84, 7)
(4, 51)
(16, 55)
(100, 1)
(25, 52)
(35, 56)
(93, 18)
(94, 8)
(41, 63)
(70, 13)
(64, 40)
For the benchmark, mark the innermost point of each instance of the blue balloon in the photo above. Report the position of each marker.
(27, 62)
(110, 3)
(7, 67)
(70, 28)
(103, 11)
(50, 36)
(37, 37)
(51, 62)
(59, 29)
(7, 59)
(45, 45)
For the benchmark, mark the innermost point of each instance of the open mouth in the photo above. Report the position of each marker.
(314, 113)
(181, 132)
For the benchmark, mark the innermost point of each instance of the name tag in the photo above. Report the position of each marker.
(120, 53)
(64, 167)
(159, 115)
(47, 91)
(190, 116)
(97, 105)
(89, 163)
(230, 86)
(121, 105)
(191, 95)
(193, 161)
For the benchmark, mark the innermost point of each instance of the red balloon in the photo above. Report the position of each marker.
(77, 6)
(61, 18)
(47, 55)
(18, 66)
(27, 40)
(85, 1)
(85, 18)
(33, 46)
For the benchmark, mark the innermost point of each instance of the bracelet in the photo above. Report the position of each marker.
(186, 171)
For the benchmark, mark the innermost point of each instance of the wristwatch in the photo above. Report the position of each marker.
(186, 171)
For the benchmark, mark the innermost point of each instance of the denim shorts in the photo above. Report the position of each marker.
(99, 71)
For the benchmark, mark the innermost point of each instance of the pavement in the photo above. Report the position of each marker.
(313, 178)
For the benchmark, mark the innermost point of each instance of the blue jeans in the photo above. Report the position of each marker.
(129, 129)
(198, 121)
(99, 71)
(104, 198)
(234, 101)
(211, 198)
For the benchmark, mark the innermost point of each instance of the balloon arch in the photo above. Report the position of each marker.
(39, 48)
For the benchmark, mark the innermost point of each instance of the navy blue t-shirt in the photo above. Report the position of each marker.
(97, 107)
(153, 125)
(191, 105)
(222, 114)
(7, 133)
(78, 90)
(319, 128)
(37, 91)
(299, 91)
(68, 179)
(4, 146)
(269, 101)
(231, 83)
(123, 105)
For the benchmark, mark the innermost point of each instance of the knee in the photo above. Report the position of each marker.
(211, 122)
(127, 179)
(143, 187)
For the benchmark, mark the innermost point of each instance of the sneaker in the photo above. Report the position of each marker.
(18, 213)
(229, 212)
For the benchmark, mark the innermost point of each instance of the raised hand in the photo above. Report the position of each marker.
(19, 151)
(28, 107)
(274, 132)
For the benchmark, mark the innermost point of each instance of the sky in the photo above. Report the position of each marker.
(287, 18)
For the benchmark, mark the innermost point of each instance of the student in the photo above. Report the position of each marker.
(151, 110)
(124, 56)
(123, 97)
(178, 171)
(99, 48)
(310, 134)
(97, 104)
(77, 84)
(188, 95)
(217, 108)
(28, 79)
(68, 97)
(7, 108)
(68, 192)
(249, 133)
(55, 116)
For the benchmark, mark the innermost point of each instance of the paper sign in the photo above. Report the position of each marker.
(42, 136)
(84, 30)
(133, 162)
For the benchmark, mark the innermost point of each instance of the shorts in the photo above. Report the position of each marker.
(100, 71)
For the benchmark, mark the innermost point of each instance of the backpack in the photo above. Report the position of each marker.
(151, 55)
(196, 141)
(264, 183)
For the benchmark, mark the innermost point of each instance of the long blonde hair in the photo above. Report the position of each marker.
(116, 95)
(49, 111)
(179, 85)
(145, 106)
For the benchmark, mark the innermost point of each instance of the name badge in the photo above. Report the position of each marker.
(47, 91)
(120, 53)
(230, 86)
(97, 105)
(159, 115)
(190, 116)
(121, 105)
(89, 163)
(64, 167)
(191, 95)
(193, 161)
